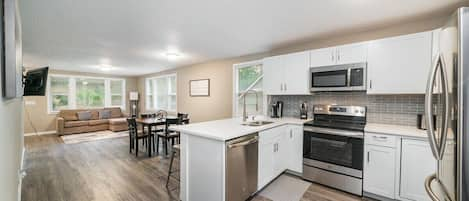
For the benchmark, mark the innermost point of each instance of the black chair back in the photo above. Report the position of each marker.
(183, 117)
(132, 123)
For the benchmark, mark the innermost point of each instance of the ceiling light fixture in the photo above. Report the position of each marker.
(172, 55)
(106, 67)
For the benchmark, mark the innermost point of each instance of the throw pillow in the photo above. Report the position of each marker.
(105, 114)
(84, 116)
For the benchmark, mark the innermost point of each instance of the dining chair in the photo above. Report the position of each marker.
(161, 114)
(175, 150)
(135, 135)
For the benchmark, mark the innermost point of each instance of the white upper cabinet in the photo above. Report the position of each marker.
(345, 54)
(287, 74)
(273, 68)
(399, 65)
(323, 57)
(353, 53)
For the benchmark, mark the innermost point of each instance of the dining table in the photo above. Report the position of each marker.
(151, 122)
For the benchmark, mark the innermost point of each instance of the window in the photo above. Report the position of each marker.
(248, 76)
(161, 93)
(90, 93)
(59, 93)
(76, 92)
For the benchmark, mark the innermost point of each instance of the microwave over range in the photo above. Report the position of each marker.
(345, 77)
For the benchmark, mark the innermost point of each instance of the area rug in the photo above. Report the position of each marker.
(92, 136)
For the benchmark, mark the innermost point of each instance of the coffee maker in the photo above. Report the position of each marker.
(277, 110)
(303, 111)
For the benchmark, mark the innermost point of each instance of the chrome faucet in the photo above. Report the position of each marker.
(245, 115)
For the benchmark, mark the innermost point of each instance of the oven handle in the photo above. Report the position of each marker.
(354, 134)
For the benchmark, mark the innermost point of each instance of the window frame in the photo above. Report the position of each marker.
(72, 84)
(153, 93)
(236, 68)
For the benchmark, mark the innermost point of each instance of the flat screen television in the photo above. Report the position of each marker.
(35, 82)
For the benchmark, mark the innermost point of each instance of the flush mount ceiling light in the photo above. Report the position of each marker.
(172, 55)
(105, 67)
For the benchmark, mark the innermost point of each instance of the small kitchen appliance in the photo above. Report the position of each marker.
(277, 110)
(303, 111)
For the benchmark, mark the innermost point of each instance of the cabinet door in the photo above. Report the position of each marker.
(265, 160)
(280, 164)
(379, 170)
(353, 53)
(417, 163)
(273, 80)
(399, 65)
(295, 148)
(297, 73)
(323, 57)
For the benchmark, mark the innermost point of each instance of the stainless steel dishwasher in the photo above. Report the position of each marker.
(241, 167)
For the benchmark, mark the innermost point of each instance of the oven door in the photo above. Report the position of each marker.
(337, 150)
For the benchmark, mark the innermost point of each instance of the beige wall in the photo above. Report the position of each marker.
(36, 115)
(218, 104)
(220, 72)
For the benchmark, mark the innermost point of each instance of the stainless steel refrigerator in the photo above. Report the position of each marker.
(447, 97)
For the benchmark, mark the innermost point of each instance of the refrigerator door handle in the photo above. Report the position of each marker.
(431, 194)
(446, 112)
(437, 149)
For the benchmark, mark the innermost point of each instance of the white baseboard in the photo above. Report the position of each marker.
(20, 178)
(41, 133)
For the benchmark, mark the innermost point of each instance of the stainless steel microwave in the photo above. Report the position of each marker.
(345, 77)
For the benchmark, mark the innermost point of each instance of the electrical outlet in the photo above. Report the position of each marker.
(30, 102)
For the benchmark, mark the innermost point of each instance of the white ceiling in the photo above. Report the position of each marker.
(133, 36)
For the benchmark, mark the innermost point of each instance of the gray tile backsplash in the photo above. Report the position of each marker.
(386, 109)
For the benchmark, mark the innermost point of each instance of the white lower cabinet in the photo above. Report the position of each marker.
(397, 170)
(417, 163)
(379, 170)
(280, 148)
(294, 147)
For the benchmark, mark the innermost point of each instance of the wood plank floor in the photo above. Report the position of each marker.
(105, 171)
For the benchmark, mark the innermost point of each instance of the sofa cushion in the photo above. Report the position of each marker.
(115, 112)
(84, 115)
(69, 124)
(115, 121)
(98, 122)
(94, 114)
(68, 115)
(105, 114)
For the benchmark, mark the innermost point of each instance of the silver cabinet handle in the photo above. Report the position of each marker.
(370, 84)
(380, 137)
(285, 86)
(368, 157)
(332, 56)
(281, 87)
(291, 135)
(244, 143)
(437, 149)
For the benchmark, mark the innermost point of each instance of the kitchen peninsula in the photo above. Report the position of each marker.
(206, 157)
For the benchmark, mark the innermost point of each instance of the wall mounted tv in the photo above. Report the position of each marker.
(11, 52)
(35, 82)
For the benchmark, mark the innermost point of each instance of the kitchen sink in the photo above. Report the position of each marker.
(257, 123)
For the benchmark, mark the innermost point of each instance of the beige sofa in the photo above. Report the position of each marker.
(68, 123)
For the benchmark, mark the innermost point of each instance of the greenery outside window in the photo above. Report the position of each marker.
(77, 92)
(248, 76)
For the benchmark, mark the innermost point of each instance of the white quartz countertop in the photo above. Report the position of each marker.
(226, 129)
(404, 131)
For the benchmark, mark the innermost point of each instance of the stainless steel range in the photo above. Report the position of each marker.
(333, 147)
